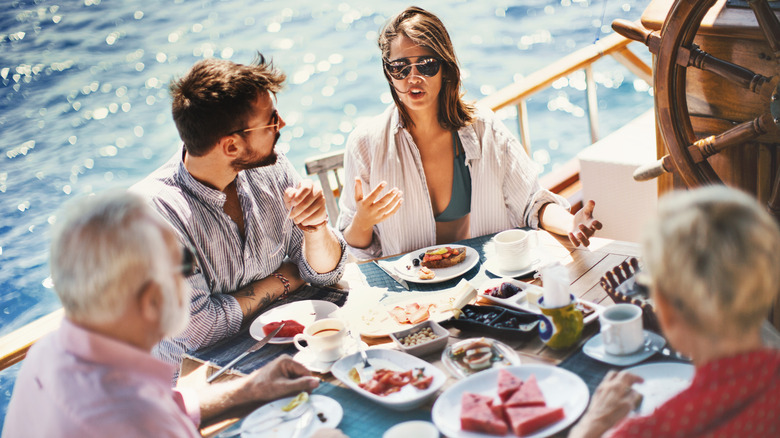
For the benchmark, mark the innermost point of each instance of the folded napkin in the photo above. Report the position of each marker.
(555, 280)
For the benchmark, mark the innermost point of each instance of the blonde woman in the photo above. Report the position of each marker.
(433, 169)
(712, 255)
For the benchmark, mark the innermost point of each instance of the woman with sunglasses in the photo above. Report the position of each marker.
(453, 171)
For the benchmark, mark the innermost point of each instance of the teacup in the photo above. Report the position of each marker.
(560, 327)
(621, 329)
(515, 249)
(325, 339)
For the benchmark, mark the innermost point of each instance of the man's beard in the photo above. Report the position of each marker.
(251, 160)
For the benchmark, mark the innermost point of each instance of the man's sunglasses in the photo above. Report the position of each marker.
(400, 68)
(275, 123)
(189, 264)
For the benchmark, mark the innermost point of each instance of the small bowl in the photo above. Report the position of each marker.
(426, 347)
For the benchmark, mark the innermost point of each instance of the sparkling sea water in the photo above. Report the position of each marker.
(84, 104)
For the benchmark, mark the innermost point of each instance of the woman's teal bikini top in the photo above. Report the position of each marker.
(460, 200)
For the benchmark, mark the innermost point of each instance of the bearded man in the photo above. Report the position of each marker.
(258, 229)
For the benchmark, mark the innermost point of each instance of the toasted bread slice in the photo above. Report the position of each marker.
(434, 259)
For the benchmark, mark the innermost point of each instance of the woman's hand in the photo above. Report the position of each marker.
(373, 209)
(584, 225)
(612, 401)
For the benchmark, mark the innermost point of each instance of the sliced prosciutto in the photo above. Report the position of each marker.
(476, 415)
(528, 395)
(411, 313)
(526, 420)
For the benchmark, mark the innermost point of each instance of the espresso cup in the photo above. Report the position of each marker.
(621, 329)
(325, 339)
(515, 249)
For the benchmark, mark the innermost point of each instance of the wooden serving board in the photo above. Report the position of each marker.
(377, 321)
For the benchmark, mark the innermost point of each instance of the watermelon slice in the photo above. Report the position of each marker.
(290, 329)
(526, 420)
(508, 384)
(476, 415)
(528, 395)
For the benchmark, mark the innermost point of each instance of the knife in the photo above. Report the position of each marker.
(304, 422)
(238, 358)
(397, 279)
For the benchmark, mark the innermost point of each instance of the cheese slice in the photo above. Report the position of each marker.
(463, 294)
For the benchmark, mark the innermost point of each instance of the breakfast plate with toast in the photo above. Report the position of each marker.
(437, 263)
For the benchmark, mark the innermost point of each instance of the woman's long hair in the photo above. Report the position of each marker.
(425, 29)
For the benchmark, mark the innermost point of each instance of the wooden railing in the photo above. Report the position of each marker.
(564, 180)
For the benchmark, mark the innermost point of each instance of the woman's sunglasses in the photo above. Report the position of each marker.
(400, 68)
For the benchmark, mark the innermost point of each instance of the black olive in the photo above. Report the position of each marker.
(416, 262)
(421, 256)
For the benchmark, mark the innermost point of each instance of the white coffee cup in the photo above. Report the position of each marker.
(515, 249)
(325, 339)
(621, 329)
(412, 429)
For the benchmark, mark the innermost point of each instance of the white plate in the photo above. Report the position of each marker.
(442, 274)
(560, 388)
(308, 359)
(492, 266)
(595, 349)
(663, 380)
(305, 312)
(520, 302)
(459, 371)
(408, 397)
(330, 409)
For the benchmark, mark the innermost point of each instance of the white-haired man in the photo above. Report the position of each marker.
(120, 271)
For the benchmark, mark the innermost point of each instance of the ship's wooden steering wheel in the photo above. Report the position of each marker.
(675, 53)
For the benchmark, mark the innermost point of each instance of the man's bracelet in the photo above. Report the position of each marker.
(285, 283)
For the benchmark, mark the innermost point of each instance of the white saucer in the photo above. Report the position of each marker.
(595, 349)
(491, 265)
(307, 358)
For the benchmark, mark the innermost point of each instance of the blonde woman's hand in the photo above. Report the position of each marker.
(613, 400)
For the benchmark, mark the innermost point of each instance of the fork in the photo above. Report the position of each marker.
(665, 351)
(268, 420)
(368, 369)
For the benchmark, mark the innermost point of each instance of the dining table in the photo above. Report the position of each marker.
(365, 284)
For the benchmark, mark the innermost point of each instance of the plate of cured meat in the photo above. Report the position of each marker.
(412, 308)
(396, 380)
(435, 264)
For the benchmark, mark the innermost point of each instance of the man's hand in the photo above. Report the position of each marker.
(373, 209)
(611, 402)
(280, 378)
(306, 204)
(584, 226)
